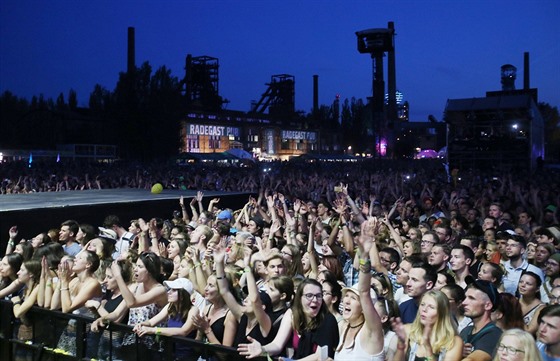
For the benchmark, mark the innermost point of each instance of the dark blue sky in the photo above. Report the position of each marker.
(444, 49)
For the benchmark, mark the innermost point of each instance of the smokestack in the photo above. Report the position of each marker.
(526, 85)
(392, 78)
(131, 61)
(315, 94)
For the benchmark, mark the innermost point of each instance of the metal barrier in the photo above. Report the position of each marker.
(50, 327)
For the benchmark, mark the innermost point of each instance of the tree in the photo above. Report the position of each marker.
(60, 104)
(551, 119)
(72, 99)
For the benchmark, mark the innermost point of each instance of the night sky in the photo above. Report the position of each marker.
(444, 49)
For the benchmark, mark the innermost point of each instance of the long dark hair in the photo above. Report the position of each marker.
(300, 322)
(182, 306)
(153, 265)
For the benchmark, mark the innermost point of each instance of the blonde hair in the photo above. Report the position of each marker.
(443, 332)
(529, 347)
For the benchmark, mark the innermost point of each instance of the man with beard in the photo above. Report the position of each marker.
(516, 265)
(482, 337)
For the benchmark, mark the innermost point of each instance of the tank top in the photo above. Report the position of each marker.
(357, 353)
(217, 326)
(138, 315)
(255, 332)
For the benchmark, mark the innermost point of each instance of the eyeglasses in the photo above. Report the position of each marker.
(427, 242)
(286, 254)
(384, 260)
(551, 264)
(310, 296)
(510, 350)
(325, 293)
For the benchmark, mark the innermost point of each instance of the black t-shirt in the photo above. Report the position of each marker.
(485, 340)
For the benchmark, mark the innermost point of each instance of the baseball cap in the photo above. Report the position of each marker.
(354, 289)
(107, 233)
(225, 214)
(180, 283)
(489, 289)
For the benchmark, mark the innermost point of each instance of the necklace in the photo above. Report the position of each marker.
(358, 325)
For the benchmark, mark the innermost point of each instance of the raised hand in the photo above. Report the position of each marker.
(250, 350)
(398, 328)
(13, 232)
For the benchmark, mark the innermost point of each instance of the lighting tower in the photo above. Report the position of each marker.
(377, 42)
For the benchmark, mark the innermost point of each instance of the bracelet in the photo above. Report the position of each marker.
(97, 309)
(197, 265)
(247, 269)
(220, 277)
(401, 346)
(11, 243)
(365, 269)
(158, 331)
(64, 289)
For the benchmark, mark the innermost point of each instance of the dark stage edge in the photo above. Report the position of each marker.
(38, 212)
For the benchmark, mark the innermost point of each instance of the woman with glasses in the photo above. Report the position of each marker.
(306, 327)
(292, 258)
(332, 293)
(517, 345)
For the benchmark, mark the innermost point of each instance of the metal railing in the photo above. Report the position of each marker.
(50, 327)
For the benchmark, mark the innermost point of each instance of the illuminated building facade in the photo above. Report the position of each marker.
(211, 133)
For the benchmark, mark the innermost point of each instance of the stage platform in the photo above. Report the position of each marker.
(38, 212)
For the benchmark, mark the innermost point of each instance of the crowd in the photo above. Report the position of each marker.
(385, 265)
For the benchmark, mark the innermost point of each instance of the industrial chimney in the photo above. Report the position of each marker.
(131, 61)
(526, 85)
(315, 94)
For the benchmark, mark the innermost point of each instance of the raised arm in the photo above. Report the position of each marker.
(263, 318)
(373, 323)
(136, 300)
(233, 305)
(255, 349)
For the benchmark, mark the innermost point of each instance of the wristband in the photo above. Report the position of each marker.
(64, 289)
(364, 262)
(220, 277)
(158, 331)
(401, 346)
